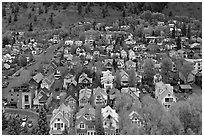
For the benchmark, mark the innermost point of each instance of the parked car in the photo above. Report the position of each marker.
(24, 119)
(18, 74)
(5, 84)
(5, 77)
(30, 124)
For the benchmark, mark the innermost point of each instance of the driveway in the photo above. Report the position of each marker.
(25, 73)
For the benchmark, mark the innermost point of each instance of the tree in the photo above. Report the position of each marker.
(14, 126)
(170, 14)
(30, 27)
(88, 8)
(189, 113)
(43, 127)
(79, 8)
(118, 79)
(132, 78)
(51, 19)
(152, 113)
(35, 18)
(22, 61)
(183, 30)
(6, 40)
(170, 125)
(178, 43)
(24, 131)
(9, 19)
(149, 71)
(166, 68)
(189, 32)
(99, 125)
(40, 11)
(173, 33)
(3, 11)
(123, 13)
(4, 122)
(185, 70)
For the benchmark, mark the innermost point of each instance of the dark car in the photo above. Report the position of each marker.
(5, 84)
(5, 77)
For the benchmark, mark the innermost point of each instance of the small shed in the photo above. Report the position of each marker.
(185, 88)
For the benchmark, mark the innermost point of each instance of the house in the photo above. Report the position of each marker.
(164, 94)
(138, 79)
(61, 120)
(123, 54)
(41, 97)
(48, 81)
(132, 91)
(130, 65)
(136, 119)
(124, 78)
(68, 80)
(85, 121)
(107, 79)
(110, 121)
(84, 96)
(71, 101)
(68, 56)
(100, 96)
(27, 98)
(120, 63)
(157, 78)
(197, 65)
(131, 54)
(108, 63)
(84, 80)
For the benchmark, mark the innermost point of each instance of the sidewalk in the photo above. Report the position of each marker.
(20, 111)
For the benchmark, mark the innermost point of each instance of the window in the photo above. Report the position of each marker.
(11, 94)
(88, 133)
(168, 99)
(11, 99)
(61, 125)
(58, 119)
(17, 95)
(82, 126)
(55, 125)
(27, 106)
(26, 98)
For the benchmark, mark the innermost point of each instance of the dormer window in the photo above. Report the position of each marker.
(82, 126)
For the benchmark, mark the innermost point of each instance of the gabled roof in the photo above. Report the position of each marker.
(62, 108)
(43, 97)
(84, 93)
(84, 76)
(123, 74)
(100, 91)
(108, 111)
(86, 109)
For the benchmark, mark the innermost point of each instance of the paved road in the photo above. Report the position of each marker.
(25, 74)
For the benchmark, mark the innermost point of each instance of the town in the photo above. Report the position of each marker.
(138, 74)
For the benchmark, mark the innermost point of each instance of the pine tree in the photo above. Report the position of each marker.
(15, 18)
(30, 27)
(3, 11)
(79, 8)
(189, 32)
(35, 18)
(99, 124)
(173, 33)
(178, 43)
(42, 125)
(4, 122)
(183, 29)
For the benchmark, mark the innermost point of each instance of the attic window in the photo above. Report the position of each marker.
(58, 119)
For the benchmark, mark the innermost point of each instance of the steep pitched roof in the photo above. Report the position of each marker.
(100, 91)
(108, 111)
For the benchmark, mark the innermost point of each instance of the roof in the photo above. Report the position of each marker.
(86, 109)
(108, 111)
(43, 98)
(185, 86)
(38, 77)
(101, 91)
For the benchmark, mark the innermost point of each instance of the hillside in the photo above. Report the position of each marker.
(190, 9)
(63, 15)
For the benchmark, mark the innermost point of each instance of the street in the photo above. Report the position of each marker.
(25, 73)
